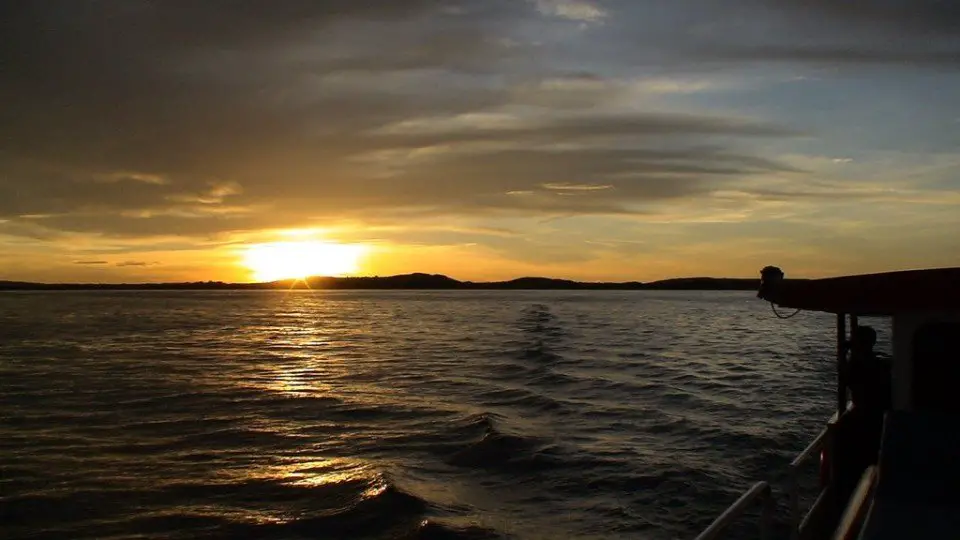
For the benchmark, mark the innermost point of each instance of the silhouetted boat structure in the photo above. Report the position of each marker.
(910, 488)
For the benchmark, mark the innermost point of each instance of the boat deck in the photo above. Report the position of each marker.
(917, 493)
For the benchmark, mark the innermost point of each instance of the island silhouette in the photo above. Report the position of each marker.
(418, 280)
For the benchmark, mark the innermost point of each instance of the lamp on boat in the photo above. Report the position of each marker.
(770, 277)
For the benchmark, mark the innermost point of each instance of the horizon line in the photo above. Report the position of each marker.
(370, 277)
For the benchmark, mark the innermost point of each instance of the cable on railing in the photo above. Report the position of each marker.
(781, 316)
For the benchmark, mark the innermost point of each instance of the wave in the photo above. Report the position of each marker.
(493, 450)
(476, 424)
(436, 530)
(484, 444)
(490, 447)
(522, 398)
(539, 321)
(383, 508)
(539, 352)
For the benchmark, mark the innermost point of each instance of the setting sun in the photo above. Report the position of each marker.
(297, 260)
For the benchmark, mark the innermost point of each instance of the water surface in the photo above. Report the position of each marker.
(397, 414)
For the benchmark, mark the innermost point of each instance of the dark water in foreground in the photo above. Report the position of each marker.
(396, 414)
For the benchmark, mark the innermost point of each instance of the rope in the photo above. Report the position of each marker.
(781, 316)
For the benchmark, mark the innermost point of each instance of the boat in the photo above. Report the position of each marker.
(901, 480)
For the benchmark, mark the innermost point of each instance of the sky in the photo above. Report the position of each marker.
(585, 139)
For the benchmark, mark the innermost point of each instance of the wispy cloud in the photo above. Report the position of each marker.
(146, 178)
(574, 10)
(576, 187)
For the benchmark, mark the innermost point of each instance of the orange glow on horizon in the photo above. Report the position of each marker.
(300, 259)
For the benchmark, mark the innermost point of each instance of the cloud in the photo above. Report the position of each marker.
(922, 16)
(710, 35)
(900, 33)
(133, 263)
(839, 55)
(577, 187)
(125, 176)
(677, 85)
(214, 194)
(565, 127)
(90, 263)
(574, 10)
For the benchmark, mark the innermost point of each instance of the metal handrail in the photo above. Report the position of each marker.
(760, 490)
(856, 510)
(819, 443)
(815, 446)
(807, 452)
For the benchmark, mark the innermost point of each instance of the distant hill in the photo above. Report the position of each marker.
(705, 284)
(552, 284)
(405, 281)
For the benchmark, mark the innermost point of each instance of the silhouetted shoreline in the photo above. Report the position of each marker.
(405, 281)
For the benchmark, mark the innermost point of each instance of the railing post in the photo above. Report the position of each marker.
(812, 451)
(766, 516)
(834, 469)
(794, 504)
(841, 360)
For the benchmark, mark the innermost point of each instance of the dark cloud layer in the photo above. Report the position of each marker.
(919, 34)
(140, 118)
(903, 33)
(925, 17)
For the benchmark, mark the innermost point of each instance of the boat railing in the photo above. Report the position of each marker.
(813, 449)
(759, 492)
(799, 523)
(856, 511)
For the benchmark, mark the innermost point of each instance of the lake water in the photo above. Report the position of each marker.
(397, 414)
